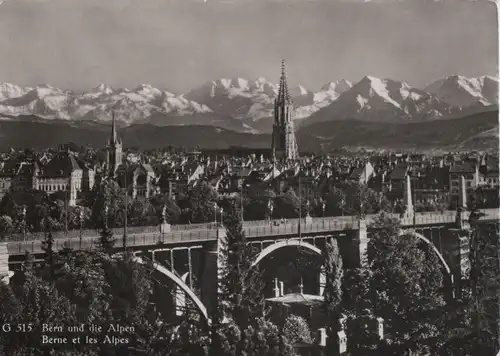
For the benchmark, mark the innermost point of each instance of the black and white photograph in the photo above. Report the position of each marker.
(249, 178)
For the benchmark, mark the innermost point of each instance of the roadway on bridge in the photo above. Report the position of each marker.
(252, 229)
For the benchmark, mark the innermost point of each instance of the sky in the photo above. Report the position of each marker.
(177, 45)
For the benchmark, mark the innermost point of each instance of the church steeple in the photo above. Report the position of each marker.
(283, 94)
(114, 136)
(284, 145)
(114, 149)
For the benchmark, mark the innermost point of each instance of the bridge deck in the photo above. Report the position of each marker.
(266, 229)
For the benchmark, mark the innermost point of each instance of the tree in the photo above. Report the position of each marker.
(474, 316)
(287, 205)
(48, 248)
(406, 287)
(242, 287)
(106, 240)
(333, 292)
(296, 330)
(7, 205)
(6, 224)
(263, 338)
(172, 210)
(335, 202)
(199, 203)
(110, 195)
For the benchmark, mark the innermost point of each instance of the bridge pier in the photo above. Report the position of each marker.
(5, 273)
(213, 267)
(456, 243)
(357, 256)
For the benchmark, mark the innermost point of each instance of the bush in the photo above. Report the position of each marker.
(296, 330)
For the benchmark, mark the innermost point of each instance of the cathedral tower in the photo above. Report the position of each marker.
(114, 150)
(284, 145)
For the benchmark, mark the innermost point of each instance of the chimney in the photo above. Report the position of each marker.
(301, 286)
(276, 288)
(282, 287)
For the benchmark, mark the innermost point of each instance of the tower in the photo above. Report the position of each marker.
(114, 150)
(284, 145)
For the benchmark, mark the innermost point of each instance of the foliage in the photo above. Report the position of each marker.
(106, 241)
(333, 291)
(172, 210)
(112, 197)
(6, 224)
(474, 318)
(264, 339)
(406, 287)
(296, 330)
(286, 205)
(198, 205)
(241, 286)
(255, 203)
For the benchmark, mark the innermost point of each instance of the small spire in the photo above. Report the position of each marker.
(113, 128)
(283, 94)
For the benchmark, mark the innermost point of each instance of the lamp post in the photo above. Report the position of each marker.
(80, 218)
(66, 208)
(106, 209)
(125, 213)
(300, 209)
(241, 197)
(24, 222)
(215, 214)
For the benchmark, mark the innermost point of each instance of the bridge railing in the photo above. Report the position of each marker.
(143, 239)
(271, 225)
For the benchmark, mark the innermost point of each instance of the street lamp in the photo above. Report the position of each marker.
(24, 222)
(215, 214)
(80, 218)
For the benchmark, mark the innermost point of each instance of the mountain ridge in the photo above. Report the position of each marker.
(247, 105)
(470, 132)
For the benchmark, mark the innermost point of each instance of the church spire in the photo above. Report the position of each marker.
(283, 94)
(284, 144)
(113, 129)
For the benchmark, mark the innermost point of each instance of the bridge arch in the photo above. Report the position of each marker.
(271, 248)
(430, 244)
(181, 284)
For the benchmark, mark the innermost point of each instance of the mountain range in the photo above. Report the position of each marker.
(247, 106)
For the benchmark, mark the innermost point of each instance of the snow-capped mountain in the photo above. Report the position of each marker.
(130, 105)
(247, 106)
(331, 91)
(8, 90)
(461, 91)
(254, 100)
(375, 99)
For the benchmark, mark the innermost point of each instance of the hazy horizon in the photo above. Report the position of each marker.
(177, 45)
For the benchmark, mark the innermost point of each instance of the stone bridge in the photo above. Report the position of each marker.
(189, 256)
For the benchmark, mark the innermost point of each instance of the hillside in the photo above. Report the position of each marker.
(476, 131)
(459, 132)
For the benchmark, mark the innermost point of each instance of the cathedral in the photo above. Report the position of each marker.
(284, 144)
